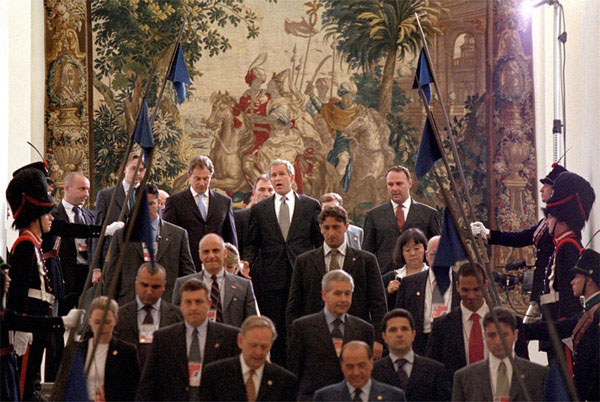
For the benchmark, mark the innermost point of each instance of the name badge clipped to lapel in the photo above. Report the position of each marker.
(81, 245)
(194, 373)
(212, 315)
(147, 332)
(147, 253)
(501, 399)
(438, 310)
(99, 395)
(337, 345)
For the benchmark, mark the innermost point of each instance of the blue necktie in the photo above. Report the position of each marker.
(201, 206)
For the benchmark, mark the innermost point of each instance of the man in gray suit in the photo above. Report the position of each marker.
(354, 234)
(171, 248)
(232, 297)
(139, 318)
(495, 378)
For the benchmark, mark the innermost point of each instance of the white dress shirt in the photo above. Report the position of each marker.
(290, 201)
(431, 282)
(204, 199)
(494, 363)
(468, 324)
(405, 209)
(96, 375)
(340, 257)
(401, 272)
(258, 373)
(207, 279)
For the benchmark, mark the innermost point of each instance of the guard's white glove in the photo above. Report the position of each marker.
(113, 227)
(21, 340)
(477, 228)
(73, 318)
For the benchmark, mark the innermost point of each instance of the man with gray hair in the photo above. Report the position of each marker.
(200, 210)
(281, 228)
(252, 376)
(139, 318)
(316, 340)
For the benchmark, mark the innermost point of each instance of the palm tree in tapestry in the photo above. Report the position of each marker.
(368, 31)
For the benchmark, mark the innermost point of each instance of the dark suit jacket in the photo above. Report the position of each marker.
(173, 254)
(277, 383)
(426, 382)
(446, 344)
(379, 392)
(271, 257)
(181, 210)
(165, 374)
(472, 383)
(122, 370)
(239, 301)
(311, 354)
(127, 327)
(102, 202)
(242, 227)
(411, 296)
(368, 300)
(381, 229)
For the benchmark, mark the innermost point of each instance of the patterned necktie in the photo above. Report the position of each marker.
(400, 216)
(357, 397)
(402, 376)
(79, 219)
(250, 388)
(337, 331)
(215, 298)
(284, 218)
(201, 207)
(148, 319)
(333, 261)
(475, 340)
(502, 387)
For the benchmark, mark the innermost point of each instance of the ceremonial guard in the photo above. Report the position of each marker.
(30, 293)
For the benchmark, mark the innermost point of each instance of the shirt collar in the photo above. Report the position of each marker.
(365, 389)
(208, 275)
(592, 300)
(289, 196)
(246, 368)
(405, 204)
(126, 185)
(155, 224)
(201, 328)
(409, 357)
(329, 318)
(195, 194)
(495, 362)
(466, 313)
(68, 206)
(140, 305)
(341, 249)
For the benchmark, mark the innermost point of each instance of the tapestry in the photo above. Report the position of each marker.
(325, 84)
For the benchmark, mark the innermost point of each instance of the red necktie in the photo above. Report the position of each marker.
(475, 341)
(400, 216)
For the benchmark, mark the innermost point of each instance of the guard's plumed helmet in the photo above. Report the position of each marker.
(571, 200)
(553, 174)
(27, 195)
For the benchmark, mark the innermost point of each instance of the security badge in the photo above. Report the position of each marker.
(147, 332)
(337, 344)
(194, 373)
(147, 253)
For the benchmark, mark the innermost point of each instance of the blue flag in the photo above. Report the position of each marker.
(178, 74)
(428, 152)
(555, 388)
(449, 251)
(143, 131)
(423, 76)
(142, 226)
(76, 384)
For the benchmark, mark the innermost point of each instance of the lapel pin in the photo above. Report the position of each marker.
(115, 352)
(270, 382)
(379, 397)
(217, 345)
(418, 293)
(232, 286)
(353, 258)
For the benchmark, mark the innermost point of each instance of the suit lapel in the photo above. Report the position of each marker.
(272, 217)
(163, 240)
(412, 213)
(319, 262)
(212, 343)
(120, 199)
(212, 204)
(349, 260)
(514, 382)
(180, 351)
(266, 384)
(388, 213)
(297, 215)
(457, 337)
(229, 291)
(485, 381)
(349, 329)
(191, 204)
(130, 319)
(323, 330)
(416, 374)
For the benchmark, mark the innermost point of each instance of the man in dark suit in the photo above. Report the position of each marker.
(420, 295)
(250, 376)
(354, 234)
(495, 378)
(232, 297)
(281, 228)
(422, 379)
(200, 210)
(456, 338)
(316, 340)
(139, 318)
(385, 223)
(356, 360)
(171, 251)
(368, 299)
(261, 191)
(103, 200)
(173, 367)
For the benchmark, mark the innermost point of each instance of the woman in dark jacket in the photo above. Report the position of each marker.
(114, 371)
